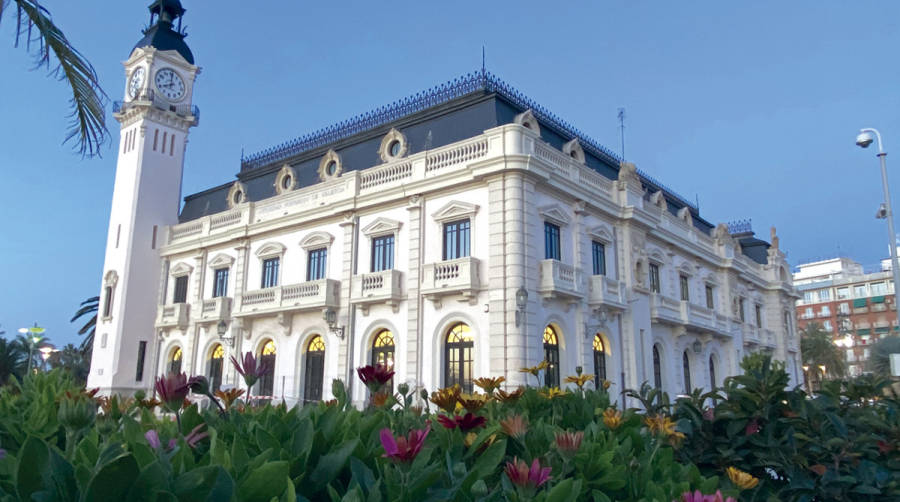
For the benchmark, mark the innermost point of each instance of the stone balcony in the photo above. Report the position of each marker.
(664, 309)
(767, 338)
(559, 280)
(310, 295)
(752, 334)
(606, 292)
(174, 315)
(215, 309)
(451, 277)
(377, 287)
(698, 317)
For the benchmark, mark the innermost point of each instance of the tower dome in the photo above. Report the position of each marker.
(162, 33)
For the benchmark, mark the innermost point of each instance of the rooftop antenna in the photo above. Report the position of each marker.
(622, 129)
(697, 201)
(482, 59)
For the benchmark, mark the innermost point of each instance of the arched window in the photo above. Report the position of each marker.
(657, 368)
(551, 355)
(712, 372)
(175, 360)
(266, 385)
(599, 360)
(315, 369)
(458, 357)
(686, 369)
(383, 351)
(214, 366)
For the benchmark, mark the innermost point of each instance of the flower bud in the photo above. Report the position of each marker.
(403, 389)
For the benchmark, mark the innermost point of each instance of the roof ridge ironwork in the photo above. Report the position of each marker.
(481, 80)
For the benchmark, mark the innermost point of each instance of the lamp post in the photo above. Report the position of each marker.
(865, 138)
(35, 334)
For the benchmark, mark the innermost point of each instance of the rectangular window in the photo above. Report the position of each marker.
(710, 298)
(164, 142)
(107, 301)
(551, 241)
(808, 313)
(155, 138)
(382, 253)
(808, 297)
(153, 241)
(598, 255)
(824, 295)
(456, 239)
(741, 310)
(827, 325)
(220, 287)
(843, 293)
(878, 288)
(844, 308)
(859, 291)
(654, 278)
(315, 267)
(142, 354)
(758, 316)
(181, 285)
(270, 272)
(826, 310)
(172, 145)
(685, 288)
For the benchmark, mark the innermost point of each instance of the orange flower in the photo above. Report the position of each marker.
(510, 397)
(229, 396)
(489, 385)
(606, 384)
(579, 380)
(514, 426)
(568, 443)
(446, 398)
(379, 399)
(663, 426)
(534, 370)
(741, 479)
(472, 402)
(612, 418)
(553, 392)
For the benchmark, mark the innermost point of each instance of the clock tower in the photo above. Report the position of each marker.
(155, 118)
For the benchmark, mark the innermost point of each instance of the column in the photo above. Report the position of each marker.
(413, 281)
(349, 226)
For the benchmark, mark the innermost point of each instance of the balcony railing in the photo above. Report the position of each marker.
(308, 295)
(458, 276)
(176, 314)
(559, 280)
(606, 291)
(665, 309)
(148, 98)
(698, 317)
(377, 287)
(215, 309)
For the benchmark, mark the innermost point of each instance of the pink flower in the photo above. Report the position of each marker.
(518, 472)
(195, 436)
(709, 414)
(699, 497)
(568, 443)
(250, 369)
(374, 377)
(465, 423)
(173, 389)
(403, 449)
(153, 438)
(752, 427)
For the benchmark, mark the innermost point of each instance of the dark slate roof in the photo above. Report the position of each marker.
(457, 110)
(755, 249)
(163, 37)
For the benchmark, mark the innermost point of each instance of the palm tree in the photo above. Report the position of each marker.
(88, 307)
(31, 349)
(818, 349)
(880, 355)
(41, 37)
(12, 360)
(71, 359)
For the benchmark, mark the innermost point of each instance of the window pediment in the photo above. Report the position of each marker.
(555, 214)
(381, 226)
(270, 249)
(601, 233)
(656, 256)
(181, 269)
(317, 240)
(455, 210)
(111, 278)
(221, 260)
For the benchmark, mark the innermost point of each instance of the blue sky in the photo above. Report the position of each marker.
(753, 107)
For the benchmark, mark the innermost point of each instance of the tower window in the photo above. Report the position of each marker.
(142, 353)
(172, 145)
(107, 301)
(165, 136)
(155, 138)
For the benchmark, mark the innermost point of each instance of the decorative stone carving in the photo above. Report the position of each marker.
(573, 150)
(285, 180)
(237, 195)
(388, 151)
(330, 166)
(527, 120)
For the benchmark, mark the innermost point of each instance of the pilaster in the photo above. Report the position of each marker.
(344, 319)
(413, 282)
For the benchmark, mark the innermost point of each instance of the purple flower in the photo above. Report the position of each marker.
(195, 436)
(403, 449)
(250, 369)
(699, 497)
(375, 377)
(153, 438)
(465, 423)
(173, 389)
(521, 475)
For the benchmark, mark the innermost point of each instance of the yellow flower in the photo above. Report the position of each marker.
(606, 384)
(509, 397)
(446, 398)
(741, 479)
(472, 402)
(612, 418)
(579, 380)
(534, 370)
(489, 385)
(553, 392)
(663, 426)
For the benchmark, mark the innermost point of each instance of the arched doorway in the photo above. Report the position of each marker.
(657, 368)
(551, 355)
(174, 365)
(458, 357)
(315, 370)
(383, 351)
(599, 360)
(214, 366)
(712, 372)
(266, 385)
(686, 369)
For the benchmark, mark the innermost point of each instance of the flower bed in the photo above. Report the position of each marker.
(760, 442)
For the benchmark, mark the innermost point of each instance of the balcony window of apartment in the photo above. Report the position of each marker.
(808, 313)
(551, 241)
(456, 239)
(382, 253)
(598, 257)
(843, 293)
(826, 311)
(808, 297)
(742, 309)
(315, 265)
(878, 288)
(181, 286)
(826, 324)
(859, 291)
(654, 278)
(758, 315)
(270, 272)
(685, 288)
(220, 287)
(844, 308)
(710, 297)
(824, 295)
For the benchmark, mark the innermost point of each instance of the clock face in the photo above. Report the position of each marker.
(136, 82)
(169, 84)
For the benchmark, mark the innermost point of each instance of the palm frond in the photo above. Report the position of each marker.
(42, 37)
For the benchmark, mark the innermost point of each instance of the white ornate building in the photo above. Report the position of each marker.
(462, 232)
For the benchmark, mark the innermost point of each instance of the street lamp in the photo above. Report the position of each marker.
(222, 329)
(35, 334)
(865, 138)
(521, 303)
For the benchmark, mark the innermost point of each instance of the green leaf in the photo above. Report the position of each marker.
(331, 464)
(114, 480)
(208, 483)
(264, 483)
(34, 461)
(566, 490)
(361, 474)
(152, 478)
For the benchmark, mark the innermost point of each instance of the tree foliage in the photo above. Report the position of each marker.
(818, 349)
(89, 309)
